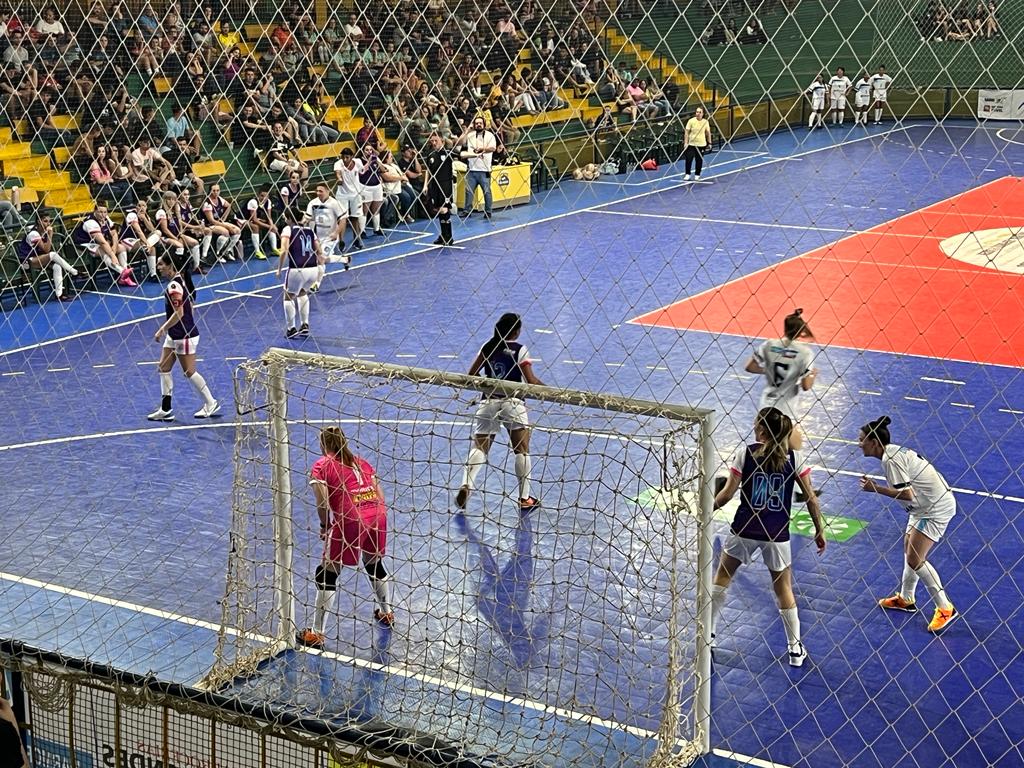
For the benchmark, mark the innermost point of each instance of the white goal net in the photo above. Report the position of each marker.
(579, 620)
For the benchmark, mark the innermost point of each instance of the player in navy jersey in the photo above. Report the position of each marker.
(172, 231)
(502, 357)
(301, 259)
(192, 225)
(260, 221)
(767, 472)
(35, 250)
(180, 336)
(215, 213)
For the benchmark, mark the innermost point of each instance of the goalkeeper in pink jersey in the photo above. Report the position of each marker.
(353, 525)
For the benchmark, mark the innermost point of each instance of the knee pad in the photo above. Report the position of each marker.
(326, 580)
(375, 569)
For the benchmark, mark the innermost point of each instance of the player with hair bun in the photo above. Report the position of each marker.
(925, 494)
(786, 364)
(766, 472)
(353, 525)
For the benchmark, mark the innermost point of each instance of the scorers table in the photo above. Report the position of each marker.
(510, 185)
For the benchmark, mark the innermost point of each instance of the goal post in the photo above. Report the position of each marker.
(624, 475)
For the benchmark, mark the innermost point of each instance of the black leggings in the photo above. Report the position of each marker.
(694, 153)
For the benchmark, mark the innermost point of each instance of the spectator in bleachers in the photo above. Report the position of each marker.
(281, 157)
(180, 127)
(228, 37)
(660, 104)
(398, 193)
(579, 73)
(353, 31)
(48, 28)
(990, 24)
(149, 170)
(141, 121)
(10, 211)
(410, 165)
(330, 39)
(101, 59)
(638, 94)
(181, 158)
(278, 115)
(17, 58)
(204, 40)
(249, 130)
(40, 116)
(367, 135)
(311, 128)
(148, 20)
(753, 32)
(731, 33)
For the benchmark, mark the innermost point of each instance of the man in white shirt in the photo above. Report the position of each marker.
(480, 146)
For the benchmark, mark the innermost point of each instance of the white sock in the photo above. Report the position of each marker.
(321, 272)
(523, 466)
(930, 577)
(207, 240)
(255, 239)
(791, 621)
(303, 302)
(166, 386)
(878, 115)
(58, 259)
(151, 260)
(810, 121)
(194, 250)
(289, 313)
(234, 241)
(58, 278)
(375, 220)
(222, 241)
(272, 237)
(909, 585)
(200, 384)
(381, 592)
(111, 264)
(474, 464)
(324, 600)
(717, 601)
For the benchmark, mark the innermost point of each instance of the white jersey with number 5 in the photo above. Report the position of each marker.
(785, 363)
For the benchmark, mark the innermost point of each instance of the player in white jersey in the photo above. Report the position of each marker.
(838, 86)
(816, 92)
(327, 216)
(880, 82)
(141, 235)
(862, 99)
(929, 500)
(349, 193)
(787, 365)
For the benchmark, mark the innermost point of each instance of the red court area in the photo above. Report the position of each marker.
(892, 288)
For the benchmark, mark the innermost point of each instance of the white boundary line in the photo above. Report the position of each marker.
(751, 154)
(746, 759)
(510, 228)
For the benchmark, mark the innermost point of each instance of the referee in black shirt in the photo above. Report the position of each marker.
(439, 185)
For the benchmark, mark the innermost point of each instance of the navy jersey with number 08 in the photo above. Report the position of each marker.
(766, 497)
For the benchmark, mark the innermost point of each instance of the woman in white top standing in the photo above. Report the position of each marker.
(786, 364)
(925, 494)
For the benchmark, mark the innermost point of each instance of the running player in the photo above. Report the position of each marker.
(35, 251)
(502, 357)
(180, 336)
(353, 525)
(926, 495)
(95, 236)
(261, 219)
(215, 214)
(141, 235)
(172, 231)
(786, 364)
(862, 99)
(328, 218)
(349, 193)
(193, 226)
(816, 92)
(880, 82)
(838, 87)
(300, 249)
(767, 470)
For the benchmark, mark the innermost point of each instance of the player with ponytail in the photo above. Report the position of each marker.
(502, 357)
(927, 497)
(353, 525)
(766, 471)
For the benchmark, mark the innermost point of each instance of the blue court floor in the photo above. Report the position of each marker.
(116, 528)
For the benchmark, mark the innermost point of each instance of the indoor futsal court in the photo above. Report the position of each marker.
(646, 286)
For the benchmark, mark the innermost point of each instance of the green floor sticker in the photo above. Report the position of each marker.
(837, 528)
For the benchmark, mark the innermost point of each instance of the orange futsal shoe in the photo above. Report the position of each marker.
(897, 603)
(310, 639)
(942, 618)
(387, 619)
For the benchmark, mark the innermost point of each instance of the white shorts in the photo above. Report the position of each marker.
(777, 555)
(283, 165)
(838, 102)
(880, 96)
(818, 104)
(352, 203)
(507, 412)
(186, 346)
(328, 246)
(932, 527)
(863, 100)
(299, 279)
(373, 194)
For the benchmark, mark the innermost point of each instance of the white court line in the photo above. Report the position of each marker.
(999, 134)
(502, 230)
(943, 381)
(746, 759)
(708, 165)
(258, 294)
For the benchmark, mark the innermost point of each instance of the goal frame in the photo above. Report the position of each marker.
(277, 361)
